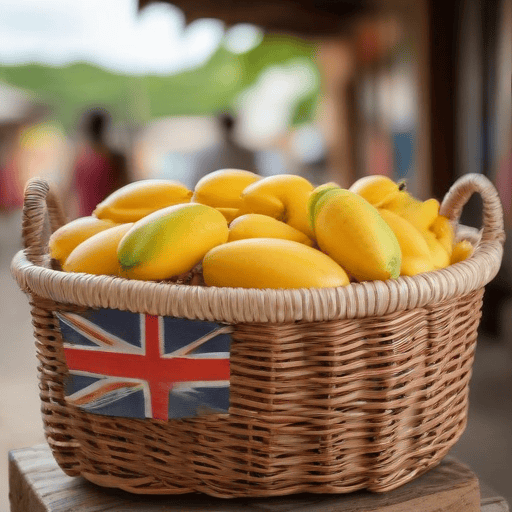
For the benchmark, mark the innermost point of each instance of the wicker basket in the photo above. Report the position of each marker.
(331, 390)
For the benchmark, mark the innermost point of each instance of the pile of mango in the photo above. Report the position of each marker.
(244, 230)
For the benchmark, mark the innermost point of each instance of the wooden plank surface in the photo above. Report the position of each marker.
(37, 484)
(490, 501)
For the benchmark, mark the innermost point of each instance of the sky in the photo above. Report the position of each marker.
(109, 33)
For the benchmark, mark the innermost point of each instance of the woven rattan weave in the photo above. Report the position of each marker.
(331, 390)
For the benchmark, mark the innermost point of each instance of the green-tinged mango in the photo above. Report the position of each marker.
(171, 241)
(314, 196)
(352, 232)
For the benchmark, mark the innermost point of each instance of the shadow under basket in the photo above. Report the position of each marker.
(330, 390)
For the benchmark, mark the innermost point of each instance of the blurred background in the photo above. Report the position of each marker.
(329, 89)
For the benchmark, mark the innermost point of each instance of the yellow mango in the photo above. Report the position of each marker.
(461, 251)
(230, 214)
(440, 257)
(421, 214)
(255, 225)
(66, 238)
(282, 196)
(416, 256)
(377, 189)
(140, 198)
(443, 230)
(271, 263)
(400, 202)
(171, 241)
(222, 188)
(350, 230)
(98, 254)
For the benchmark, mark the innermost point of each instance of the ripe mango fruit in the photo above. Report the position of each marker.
(171, 241)
(440, 257)
(255, 225)
(352, 232)
(416, 256)
(66, 238)
(230, 214)
(378, 190)
(222, 188)
(98, 254)
(282, 196)
(383, 192)
(314, 196)
(461, 251)
(140, 198)
(421, 214)
(443, 230)
(271, 263)
(400, 202)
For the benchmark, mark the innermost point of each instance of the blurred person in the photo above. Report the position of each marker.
(98, 170)
(11, 190)
(228, 154)
(232, 154)
(17, 109)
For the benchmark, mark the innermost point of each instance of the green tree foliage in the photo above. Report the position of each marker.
(200, 91)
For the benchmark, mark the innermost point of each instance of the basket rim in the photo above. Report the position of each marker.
(31, 269)
(241, 305)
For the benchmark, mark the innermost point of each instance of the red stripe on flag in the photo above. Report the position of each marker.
(158, 388)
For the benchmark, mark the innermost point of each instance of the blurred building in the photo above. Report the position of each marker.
(15, 104)
(414, 90)
(32, 143)
(185, 148)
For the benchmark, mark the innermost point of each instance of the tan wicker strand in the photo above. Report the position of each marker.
(331, 391)
(40, 205)
(458, 196)
(52, 371)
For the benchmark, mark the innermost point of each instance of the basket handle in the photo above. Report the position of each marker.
(459, 194)
(40, 204)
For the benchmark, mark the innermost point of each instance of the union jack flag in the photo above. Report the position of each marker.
(144, 366)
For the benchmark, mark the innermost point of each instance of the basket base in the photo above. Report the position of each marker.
(451, 486)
